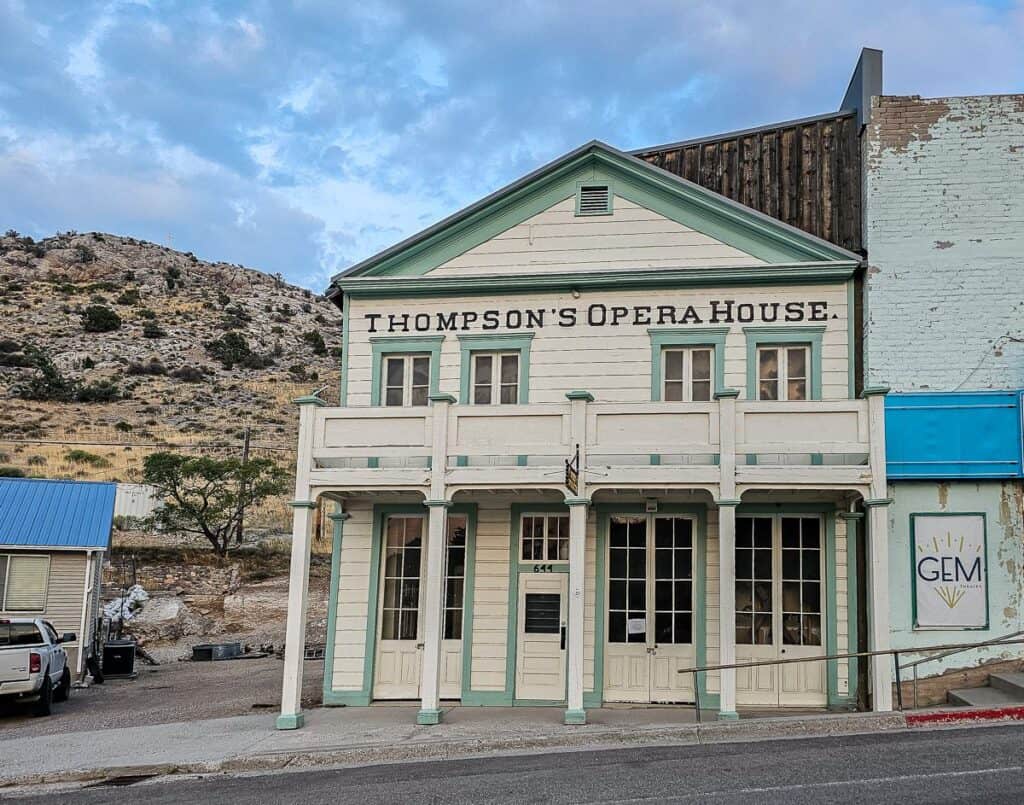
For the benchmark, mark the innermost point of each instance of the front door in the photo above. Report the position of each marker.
(540, 659)
(779, 609)
(650, 624)
(399, 646)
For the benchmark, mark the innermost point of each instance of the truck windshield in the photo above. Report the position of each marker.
(19, 634)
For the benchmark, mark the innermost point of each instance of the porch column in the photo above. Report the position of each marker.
(433, 604)
(298, 579)
(878, 554)
(727, 503)
(578, 507)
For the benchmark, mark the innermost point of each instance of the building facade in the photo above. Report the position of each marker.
(944, 229)
(597, 429)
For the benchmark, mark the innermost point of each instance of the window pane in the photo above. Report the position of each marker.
(673, 391)
(796, 363)
(421, 371)
(393, 396)
(419, 395)
(796, 390)
(768, 364)
(509, 368)
(811, 529)
(389, 625)
(673, 364)
(812, 630)
(453, 624)
(744, 630)
(410, 619)
(395, 371)
(509, 395)
(702, 391)
(684, 628)
(483, 369)
(482, 395)
(791, 630)
(790, 532)
(702, 364)
(768, 390)
(617, 627)
(763, 630)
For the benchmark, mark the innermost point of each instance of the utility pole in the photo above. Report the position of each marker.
(241, 504)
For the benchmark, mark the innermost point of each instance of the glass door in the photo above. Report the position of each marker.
(399, 650)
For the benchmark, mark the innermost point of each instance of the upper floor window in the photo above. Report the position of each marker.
(406, 380)
(495, 378)
(687, 374)
(782, 372)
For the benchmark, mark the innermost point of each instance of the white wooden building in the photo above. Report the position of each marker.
(693, 358)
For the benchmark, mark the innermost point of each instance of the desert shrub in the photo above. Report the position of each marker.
(84, 254)
(11, 472)
(307, 308)
(233, 350)
(152, 367)
(123, 427)
(15, 360)
(153, 330)
(277, 329)
(88, 363)
(101, 391)
(298, 372)
(146, 313)
(47, 383)
(100, 319)
(171, 276)
(187, 374)
(7, 345)
(4, 458)
(315, 340)
(223, 299)
(129, 296)
(77, 456)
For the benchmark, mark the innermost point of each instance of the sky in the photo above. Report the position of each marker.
(301, 137)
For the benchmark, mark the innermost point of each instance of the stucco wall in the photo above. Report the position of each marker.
(1002, 503)
(944, 189)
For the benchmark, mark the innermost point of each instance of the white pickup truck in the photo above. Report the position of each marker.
(33, 663)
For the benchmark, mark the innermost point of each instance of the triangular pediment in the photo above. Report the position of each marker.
(656, 220)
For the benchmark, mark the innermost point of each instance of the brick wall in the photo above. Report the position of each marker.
(944, 230)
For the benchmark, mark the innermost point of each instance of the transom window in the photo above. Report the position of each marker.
(455, 577)
(545, 538)
(687, 374)
(782, 372)
(406, 380)
(495, 378)
(23, 582)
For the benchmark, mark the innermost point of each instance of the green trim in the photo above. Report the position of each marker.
(447, 398)
(302, 504)
(852, 537)
(851, 342)
(872, 502)
(872, 391)
(486, 698)
(726, 393)
(346, 698)
(638, 279)
(392, 345)
(728, 502)
(605, 511)
(579, 394)
(913, 573)
(686, 337)
(727, 715)
(609, 208)
(634, 179)
(469, 510)
(427, 718)
(574, 718)
(430, 504)
(577, 501)
(338, 518)
(346, 319)
(310, 399)
(764, 336)
(517, 510)
(292, 721)
(506, 342)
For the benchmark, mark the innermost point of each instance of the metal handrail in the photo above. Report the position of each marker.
(895, 652)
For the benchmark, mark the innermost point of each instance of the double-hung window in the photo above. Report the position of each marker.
(686, 373)
(406, 379)
(23, 582)
(783, 372)
(495, 379)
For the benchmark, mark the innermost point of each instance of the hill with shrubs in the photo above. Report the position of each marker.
(112, 347)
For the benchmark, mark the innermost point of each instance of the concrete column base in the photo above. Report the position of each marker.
(728, 715)
(427, 718)
(575, 717)
(293, 721)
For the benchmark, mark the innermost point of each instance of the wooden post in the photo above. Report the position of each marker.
(727, 503)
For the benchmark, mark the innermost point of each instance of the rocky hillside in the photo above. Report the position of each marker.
(111, 347)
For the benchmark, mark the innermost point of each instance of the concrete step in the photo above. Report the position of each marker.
(1010, 682)
(982, 697)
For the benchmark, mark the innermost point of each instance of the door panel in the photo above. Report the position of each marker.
(671, 566)
(541, 654)
(454, 596)
(399, 652)
(627, 655)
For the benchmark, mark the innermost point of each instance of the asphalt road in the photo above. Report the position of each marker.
(981, 764)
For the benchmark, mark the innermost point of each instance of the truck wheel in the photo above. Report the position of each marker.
(64, 689)
(45, 704)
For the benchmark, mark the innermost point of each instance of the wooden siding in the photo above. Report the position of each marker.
(632, 237)
(353, 598)
(64, 592)
(806, 174)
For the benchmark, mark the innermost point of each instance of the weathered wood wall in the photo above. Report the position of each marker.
(807, 174)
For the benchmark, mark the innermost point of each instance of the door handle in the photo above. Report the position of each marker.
(420, 645)
(563, 638)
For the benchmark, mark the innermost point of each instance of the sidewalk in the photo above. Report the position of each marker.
(356, 736)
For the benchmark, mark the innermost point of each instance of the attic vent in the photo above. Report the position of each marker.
(594, 199)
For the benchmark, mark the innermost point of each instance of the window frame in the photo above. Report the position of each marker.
(408, 376)
(810, 336)
(783, 377)
(663, 338)
(471, 345)
(496, 384)
(5, 590)
(393, 347)
(546, 517)
(687, 379)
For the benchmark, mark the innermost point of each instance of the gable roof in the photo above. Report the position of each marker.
(55, 514)
(748, 230)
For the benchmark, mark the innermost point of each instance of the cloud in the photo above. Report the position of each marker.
(301, 138)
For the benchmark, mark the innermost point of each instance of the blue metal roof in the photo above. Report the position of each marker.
(55, 514)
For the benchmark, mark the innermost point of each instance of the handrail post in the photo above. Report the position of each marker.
(915, 686)
(899, 682)
(696, 694)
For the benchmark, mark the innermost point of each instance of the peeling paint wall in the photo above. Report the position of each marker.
(944, 231)
(1003, 505)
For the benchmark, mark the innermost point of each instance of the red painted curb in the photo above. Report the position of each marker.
(1014, 713)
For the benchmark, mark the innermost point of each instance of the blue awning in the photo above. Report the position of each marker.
(55, 514)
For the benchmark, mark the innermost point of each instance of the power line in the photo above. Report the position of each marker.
(204, 445)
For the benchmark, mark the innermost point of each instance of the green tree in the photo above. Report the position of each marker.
(207, 496)
(100, 319)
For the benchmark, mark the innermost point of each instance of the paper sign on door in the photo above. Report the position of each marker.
(636, 626)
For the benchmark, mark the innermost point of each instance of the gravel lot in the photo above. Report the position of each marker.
(180, 691)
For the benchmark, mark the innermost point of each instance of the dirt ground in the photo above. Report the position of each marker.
(181, 691)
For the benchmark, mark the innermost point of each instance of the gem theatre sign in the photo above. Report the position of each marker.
(716, 311)
(950, 573)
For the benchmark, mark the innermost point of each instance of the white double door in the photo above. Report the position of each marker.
(780, 609)
(399, 660)
(650, 624)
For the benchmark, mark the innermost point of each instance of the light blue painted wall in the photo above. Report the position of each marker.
(1001, 501)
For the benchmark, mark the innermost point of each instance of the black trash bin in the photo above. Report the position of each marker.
(119, 658)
